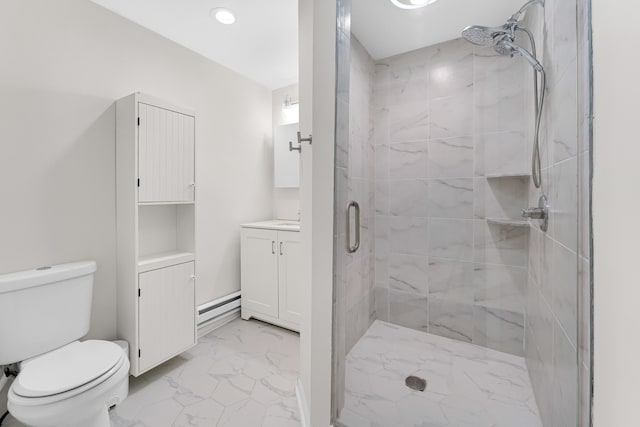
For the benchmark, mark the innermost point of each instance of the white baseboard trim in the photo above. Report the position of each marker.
(303, 408)
(216, 323)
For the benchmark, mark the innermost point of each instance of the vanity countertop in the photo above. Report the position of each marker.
(275, 224)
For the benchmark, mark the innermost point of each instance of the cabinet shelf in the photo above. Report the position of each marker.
(508, 222)
(163, 259)
(165, 203)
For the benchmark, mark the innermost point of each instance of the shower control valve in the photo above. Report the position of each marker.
(534, 213)
(540, 213)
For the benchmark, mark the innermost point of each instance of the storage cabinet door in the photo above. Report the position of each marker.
(260, 271)
(290, 276)
(166, 148)
(166, 313)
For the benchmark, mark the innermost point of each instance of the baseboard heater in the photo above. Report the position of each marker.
(218, 309)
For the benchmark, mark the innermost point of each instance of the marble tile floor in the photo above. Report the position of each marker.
(243, 374)
(467, 385)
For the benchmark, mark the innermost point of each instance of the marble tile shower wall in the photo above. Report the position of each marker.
(450, 152)
(557, 284)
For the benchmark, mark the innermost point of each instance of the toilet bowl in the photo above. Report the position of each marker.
(74, 385)
(61, 381)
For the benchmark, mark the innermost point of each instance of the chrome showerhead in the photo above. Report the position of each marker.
(483, 36)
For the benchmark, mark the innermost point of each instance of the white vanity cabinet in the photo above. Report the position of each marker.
(271, 273)
(155, 209)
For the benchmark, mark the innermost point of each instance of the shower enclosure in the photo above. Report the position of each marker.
(452, 306)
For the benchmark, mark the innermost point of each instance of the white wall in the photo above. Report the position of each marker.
(616, 203)
(305, 68)
(64, 63)
(286, 201)
(317, 117)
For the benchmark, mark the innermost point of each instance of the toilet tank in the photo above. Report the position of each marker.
(43, 309)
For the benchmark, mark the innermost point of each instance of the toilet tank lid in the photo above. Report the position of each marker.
(11, 282)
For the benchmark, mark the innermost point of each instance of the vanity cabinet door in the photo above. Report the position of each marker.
(290, 276)
(166, 313)
(166, 155)
(259, 266)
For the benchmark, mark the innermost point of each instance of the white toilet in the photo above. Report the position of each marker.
(62, 381)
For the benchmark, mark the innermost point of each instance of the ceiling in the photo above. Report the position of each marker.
(262, 45)
(385, 30)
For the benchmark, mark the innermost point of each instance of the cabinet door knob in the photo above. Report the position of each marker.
(192, 277)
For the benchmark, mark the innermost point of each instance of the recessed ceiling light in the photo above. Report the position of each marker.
(223, 15)
(412, 4)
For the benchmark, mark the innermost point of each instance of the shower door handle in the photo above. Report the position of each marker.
(353, 248)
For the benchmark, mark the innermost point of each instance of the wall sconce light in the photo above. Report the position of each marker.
(288, 102)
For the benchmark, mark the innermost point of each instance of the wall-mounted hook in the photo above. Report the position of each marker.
(301, 140)
(292, 148)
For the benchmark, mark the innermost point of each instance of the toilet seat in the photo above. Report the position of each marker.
(68, 371)
(84, 406)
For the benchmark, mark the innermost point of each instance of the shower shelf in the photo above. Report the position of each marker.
(508, 222)
(508, 175)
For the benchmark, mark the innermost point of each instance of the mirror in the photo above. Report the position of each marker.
(286, 162)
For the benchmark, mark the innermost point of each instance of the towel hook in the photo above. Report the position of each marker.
(300, 141)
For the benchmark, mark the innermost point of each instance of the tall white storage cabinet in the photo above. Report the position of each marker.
(155, 172)
(271, 274)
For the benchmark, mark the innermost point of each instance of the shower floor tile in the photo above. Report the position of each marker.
(467, 385)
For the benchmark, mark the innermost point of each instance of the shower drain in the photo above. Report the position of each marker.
(416, 383)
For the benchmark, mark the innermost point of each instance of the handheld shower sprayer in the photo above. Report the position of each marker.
(503, 40)
(507, 47)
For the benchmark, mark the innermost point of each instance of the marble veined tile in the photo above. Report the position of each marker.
(451, 239)
(467, 385)
(451, 198)
(450, 158)
(500, 198)
(497, 244)
(500, 330)
(500, 286)
(408, 235)
(408, 309)
(408, 197)
(243, 374)
(451, 280)
(408, 273)
(449, 318)
(408, 160)
(502, 153)
(452, 116)
(409, 122)
(450, 72)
